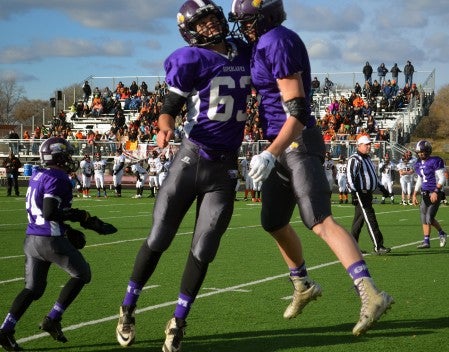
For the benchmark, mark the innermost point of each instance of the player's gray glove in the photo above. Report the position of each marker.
(261, 166)
(76, 238)
(99, 226)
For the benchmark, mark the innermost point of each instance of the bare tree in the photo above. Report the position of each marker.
(10, 94)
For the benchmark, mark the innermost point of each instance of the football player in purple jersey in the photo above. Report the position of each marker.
(212, 77)
(431, 178)
(291, 167)
(49, 240)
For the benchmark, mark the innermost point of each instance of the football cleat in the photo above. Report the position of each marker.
(443, 239)
(126, 327)
(423, 245)
(306, 290)
(174, 332)
(382, 250)
(374, 304)
(53, 327)
(8, 342)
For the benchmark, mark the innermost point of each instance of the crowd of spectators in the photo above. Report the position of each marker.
(343, 117)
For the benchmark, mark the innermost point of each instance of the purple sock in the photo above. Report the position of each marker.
(132, 294)
(56, 312)
(300, 271)
(427, 239)
(358, 270)
(9, 323)
(183, 307)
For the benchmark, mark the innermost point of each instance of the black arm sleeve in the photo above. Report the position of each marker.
(52, 212)
(173, 104)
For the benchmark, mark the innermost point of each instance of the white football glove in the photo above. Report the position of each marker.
(261, 166)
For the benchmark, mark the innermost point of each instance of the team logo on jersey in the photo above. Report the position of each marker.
(186, 160)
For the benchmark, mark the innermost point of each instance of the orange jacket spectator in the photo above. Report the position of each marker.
(358, 102)
(79, 135)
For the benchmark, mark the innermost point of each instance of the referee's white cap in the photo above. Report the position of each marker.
(364, 140)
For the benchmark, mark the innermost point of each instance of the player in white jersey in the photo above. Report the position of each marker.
(244, 170)
(329, 169)
(99, 170)
(117, 171)
(342, 180)
(162, 168)
(141, 177)
(153, 180)
(86, 175)
(406, 173)
(386, 169)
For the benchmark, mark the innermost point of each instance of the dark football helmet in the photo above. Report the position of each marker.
(264, 15)
(57, 151)
(86, 157)
(97, 156)
(190, 12)
(424, 147)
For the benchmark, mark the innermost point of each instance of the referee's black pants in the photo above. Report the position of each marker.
(364, 212)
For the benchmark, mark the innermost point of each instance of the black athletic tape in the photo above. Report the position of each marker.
(297, 107)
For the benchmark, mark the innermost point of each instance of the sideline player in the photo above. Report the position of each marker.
(141, 177)
(342, 181)
(153, 180)
(386, 169)
(117, 171)
(406, 172)
(329, 169)
(99, 170)
(431, 178)
(86, 167)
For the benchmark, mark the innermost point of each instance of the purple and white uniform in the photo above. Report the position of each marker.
(205, 168)
(298, 177)
(430, 172)
(43, 184)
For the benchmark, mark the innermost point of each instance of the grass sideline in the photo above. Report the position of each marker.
(242, 300)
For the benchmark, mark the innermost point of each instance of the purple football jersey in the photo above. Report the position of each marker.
(46, 183)
(426, 170)
(217, 88)
(279, 53)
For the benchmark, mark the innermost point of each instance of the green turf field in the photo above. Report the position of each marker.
(241, 303)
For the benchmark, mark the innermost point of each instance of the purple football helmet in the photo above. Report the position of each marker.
(424, 147)
(190, 12)
(57, 151)
(265, 14)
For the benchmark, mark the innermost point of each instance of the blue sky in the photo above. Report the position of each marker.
(48, 45)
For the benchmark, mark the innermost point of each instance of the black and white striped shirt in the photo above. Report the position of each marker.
(361, 173)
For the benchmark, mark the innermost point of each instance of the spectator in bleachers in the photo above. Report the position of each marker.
(366, 91)
(357, 89)
(371, 125)
(143, 89)
(388, 91)
(334, 106)
(376, 88)
(368, 72)
(358, 104)
(315, 86)
(97, 106)
(409, 69)
(87, 91)
(14, 145)
(381, 73)
(395, 70)
(328, 86)
(133, 88)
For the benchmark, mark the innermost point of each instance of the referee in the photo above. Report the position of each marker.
(362, 182)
